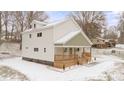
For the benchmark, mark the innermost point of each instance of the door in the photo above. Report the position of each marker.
(70, 51)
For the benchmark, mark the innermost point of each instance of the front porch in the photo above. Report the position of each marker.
(70, 56)
(72, 49)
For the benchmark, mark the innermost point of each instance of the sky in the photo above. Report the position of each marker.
(112, 17)
(57, 15)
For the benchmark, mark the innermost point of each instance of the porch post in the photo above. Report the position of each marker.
(63, 53)
(74, 52)
(83, 50)
(90, 52)
(75, 56)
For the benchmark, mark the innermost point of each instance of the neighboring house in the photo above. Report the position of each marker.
(103, 43)
(60, 44)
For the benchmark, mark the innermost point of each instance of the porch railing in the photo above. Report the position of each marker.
(63, 61)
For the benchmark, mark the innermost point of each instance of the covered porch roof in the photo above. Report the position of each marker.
(73, 39)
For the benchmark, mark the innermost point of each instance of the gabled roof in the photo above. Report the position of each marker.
(70, 35)
(67, 37)
(39, 22)
(47, 25)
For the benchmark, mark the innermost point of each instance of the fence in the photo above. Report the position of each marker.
(115, 52)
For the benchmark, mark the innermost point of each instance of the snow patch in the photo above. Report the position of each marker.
(102, 67)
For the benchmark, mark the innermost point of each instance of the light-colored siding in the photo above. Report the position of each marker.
(78, 40)
(38, 25)
(49, 36)
(46, 41)
(63, 28)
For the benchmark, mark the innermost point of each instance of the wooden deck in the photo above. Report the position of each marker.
(86, 57)
(65, 61)
(70, 60)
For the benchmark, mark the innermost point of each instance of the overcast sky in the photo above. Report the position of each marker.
(111, 16)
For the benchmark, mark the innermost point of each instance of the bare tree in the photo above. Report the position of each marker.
(5, 18)
(35, 15)
(91, 22)
(15, 22)
(0, 25)
(24, 19)
(12, 23)
(121, 28)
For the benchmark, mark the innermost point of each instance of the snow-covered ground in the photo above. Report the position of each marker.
(120, 46)
(6, 73)
(11, 48)
(107, 66)
(103, 68)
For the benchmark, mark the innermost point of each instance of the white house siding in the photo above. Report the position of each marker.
(63, 28)
(46, 41)
(38, 25)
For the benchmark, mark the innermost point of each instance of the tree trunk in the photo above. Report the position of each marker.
(6, 36)
(21, 36)
(30, 18)
(0, 26)
(12, 31)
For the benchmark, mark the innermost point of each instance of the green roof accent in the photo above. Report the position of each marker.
(78, 40)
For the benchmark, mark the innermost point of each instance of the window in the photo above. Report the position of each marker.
(70, 49)
(29, 35)
(65, 50)
(35, 49)
(78, 49)
(34, 25)
(39, 34)
(44, 50)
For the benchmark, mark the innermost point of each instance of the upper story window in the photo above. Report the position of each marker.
(36, 49)
(39, 34)
(44, 50)
(29, 35)
(34, 25)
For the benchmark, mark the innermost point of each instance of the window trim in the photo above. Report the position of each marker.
(44, 50)
(39, 34)
(65, 49)
(34, 25)
(78, 49)
(36, 49)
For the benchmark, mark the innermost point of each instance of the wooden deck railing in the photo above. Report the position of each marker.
(86, 57)
(65, 61)
(62, 62)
